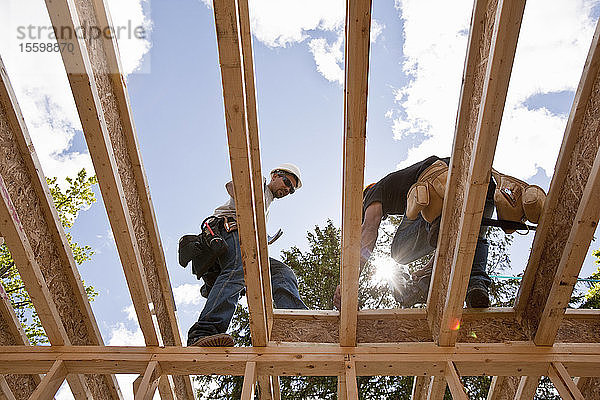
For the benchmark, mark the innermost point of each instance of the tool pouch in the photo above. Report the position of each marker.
(516, 200)
(426, 196)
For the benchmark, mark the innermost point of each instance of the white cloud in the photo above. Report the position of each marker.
(284, 23)
(552, 47)
(120, 335)
(187, 294)
(44, 94)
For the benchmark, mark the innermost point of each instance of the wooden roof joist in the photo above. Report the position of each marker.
(498, 359)
(39, 246)
(570, 213)
(101, 97)
(238, 95)
(493, 37)
(358, 30)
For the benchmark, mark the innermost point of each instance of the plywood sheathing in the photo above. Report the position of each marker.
(30, 196)
(115, 107)
(590, 388)
(475, 70)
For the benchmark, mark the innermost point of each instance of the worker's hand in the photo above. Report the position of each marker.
(337, 297)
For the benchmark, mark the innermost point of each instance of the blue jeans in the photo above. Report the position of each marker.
(225, 293)
(411, 242)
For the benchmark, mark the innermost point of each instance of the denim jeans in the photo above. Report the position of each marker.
(225, 293)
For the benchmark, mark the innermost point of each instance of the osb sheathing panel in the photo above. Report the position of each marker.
(22, 386)
(57, 276)
(463, 162)
(560, 221)
(591, 389)
(125, 167)
(489, 330)
(579, 331)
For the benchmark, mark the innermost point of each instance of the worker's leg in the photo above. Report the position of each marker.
(411, 240)
(284, 286)
(224, 295)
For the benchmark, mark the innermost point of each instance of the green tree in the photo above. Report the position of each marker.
(77, 195)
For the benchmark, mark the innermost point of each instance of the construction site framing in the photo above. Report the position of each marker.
(537, 337)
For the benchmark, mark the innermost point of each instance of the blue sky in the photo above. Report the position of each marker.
(174, 82)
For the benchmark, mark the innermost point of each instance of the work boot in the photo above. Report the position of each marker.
(218, 340)
(478, 297)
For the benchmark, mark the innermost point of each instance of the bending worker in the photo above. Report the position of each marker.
(224, 278)
(411, 192)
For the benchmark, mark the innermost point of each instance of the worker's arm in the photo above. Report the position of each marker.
(368, 238)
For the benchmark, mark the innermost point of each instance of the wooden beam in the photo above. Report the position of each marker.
(255, 163)
(11, 333)
(503, 387)
(495, 29)
(398, 359)
(30, 273)
(41, 225)
(454, 383)
(149, 382)
(276, 388)
(527, 387)
(51, 383)
(86, 94)
(437, 388)
(118, 164)
(266, 387)
(562, 381)
(551, 243)
(358, 28)
(249, 381)
(5, 390)
(420, 388)
(350, 380)
(341, 386)
(230, 58)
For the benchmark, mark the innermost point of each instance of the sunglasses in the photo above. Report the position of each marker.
(287, 182)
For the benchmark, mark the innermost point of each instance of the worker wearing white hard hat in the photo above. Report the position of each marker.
(224, 276)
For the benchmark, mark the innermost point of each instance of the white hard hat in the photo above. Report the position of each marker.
(292, 169)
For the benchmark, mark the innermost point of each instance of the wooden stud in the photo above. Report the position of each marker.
(350, 380)
(527, 387)
(358, 27)
(236, 119)
(503, 387)
(255, 163)
(341, 387)
(276, 388)
(437, 388)
(420, 388)
(87, 99)
(136, 384)
(149, 382)
(573, 168)
(51, 382)
(454, 383)
(249, 381)
(5, 391)
(40, 220)
(478, 123)
(563, 383)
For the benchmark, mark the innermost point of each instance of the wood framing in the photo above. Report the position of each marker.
(51, 383)
(454, 383)
(350, 381)
(495, 29)
(437, 387)
(562, 381)
(358, 29)
(412, 359)
(101, 96)
(11, 334)
(63, 307)
(569, 213)
(503, 387)
(149, 382)
(527, 387)
(249, 381)
(5, 390)
(420, 388)
(230, 58)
